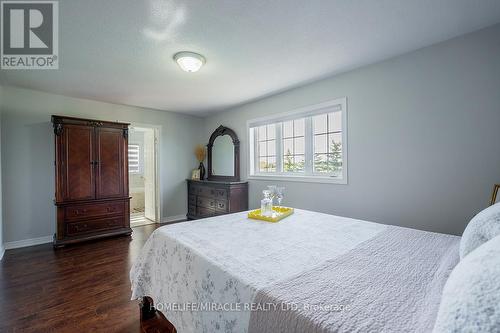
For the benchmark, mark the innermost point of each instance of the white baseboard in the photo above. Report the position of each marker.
(28, 242)
(171, 219)
(2, 251)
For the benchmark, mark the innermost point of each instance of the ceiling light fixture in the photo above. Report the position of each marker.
(189, 61)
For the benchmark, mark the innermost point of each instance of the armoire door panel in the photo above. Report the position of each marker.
(110, 148)
(78, 173)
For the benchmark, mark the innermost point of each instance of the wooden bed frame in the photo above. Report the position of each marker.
(152, 320)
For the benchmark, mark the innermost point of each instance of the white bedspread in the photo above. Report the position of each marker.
(225, 260)
(390, 283)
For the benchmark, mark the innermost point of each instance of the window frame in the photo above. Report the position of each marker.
(339, 104)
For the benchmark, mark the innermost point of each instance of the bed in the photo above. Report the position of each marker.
(311, 272)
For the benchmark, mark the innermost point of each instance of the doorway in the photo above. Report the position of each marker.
(142, 160)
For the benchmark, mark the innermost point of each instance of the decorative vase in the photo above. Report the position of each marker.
(202, 171)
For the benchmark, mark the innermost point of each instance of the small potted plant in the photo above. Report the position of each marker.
(200, 152)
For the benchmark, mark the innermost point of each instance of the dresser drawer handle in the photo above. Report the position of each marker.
(110, 209)
(221, 205)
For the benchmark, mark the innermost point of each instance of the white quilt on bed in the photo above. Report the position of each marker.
(390, 283)
(226, 259)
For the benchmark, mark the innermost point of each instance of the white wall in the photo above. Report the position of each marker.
(423, 136)
(27, 150)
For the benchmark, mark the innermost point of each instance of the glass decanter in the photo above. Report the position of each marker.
(266, 204)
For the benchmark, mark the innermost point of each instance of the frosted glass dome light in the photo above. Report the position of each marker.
(189, 61)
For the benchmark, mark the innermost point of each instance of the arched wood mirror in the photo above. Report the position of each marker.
(224, 155)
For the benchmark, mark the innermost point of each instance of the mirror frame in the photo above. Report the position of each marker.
(220, 131)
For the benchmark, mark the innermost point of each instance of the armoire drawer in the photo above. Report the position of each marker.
(85, 211)
(83, 227)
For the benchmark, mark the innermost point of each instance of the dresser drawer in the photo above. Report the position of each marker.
(78, 212)
(205, 212)
(221, 193)
(213, 198)
(205, 202)
(192, 210)
(206, 191)
(83, 227)
(221, 206)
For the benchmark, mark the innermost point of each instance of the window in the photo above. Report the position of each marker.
(327, 132)
(134, 161)
(308, 144)
(294, 143)
(266, 148)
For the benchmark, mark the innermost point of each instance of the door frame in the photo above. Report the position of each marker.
(157, 148)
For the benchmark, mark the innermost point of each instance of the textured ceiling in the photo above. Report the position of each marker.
(120, 51)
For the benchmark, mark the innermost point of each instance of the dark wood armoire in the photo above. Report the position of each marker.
(91, 169)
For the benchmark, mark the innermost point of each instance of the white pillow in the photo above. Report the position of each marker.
(483, 227)
(471, 296)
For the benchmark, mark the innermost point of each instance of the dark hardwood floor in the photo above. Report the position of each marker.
(80, 288)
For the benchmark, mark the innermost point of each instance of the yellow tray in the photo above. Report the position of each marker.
(278, 214)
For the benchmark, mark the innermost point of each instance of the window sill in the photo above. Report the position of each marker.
(299, 178)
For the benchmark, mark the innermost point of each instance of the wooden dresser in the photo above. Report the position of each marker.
(91, 166)
(211, 198)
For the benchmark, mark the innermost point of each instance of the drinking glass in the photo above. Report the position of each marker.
(272, 191)
(280, 192)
